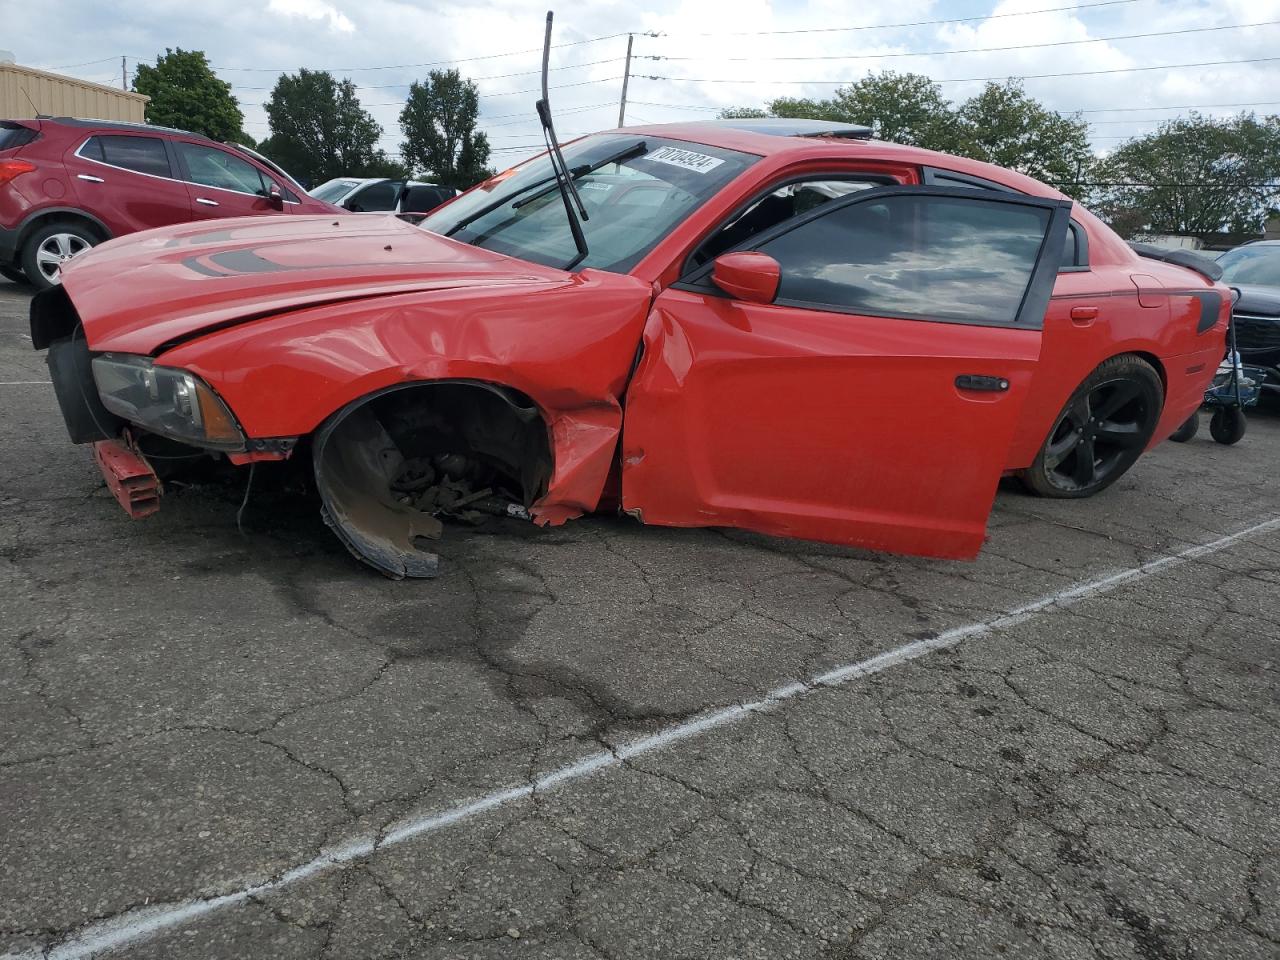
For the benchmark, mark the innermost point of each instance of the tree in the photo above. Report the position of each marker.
(1001, 125)
(1195, 174)
(186, 94)
(1004, 126)
(743, 113)
(439, 126)
(319, 130)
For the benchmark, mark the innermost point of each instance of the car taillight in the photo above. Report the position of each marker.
(14, 168)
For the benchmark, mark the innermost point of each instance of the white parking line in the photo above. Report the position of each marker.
(146, 922)
(24, 383)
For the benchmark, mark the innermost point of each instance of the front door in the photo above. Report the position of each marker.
(873, 401)
(222, 184)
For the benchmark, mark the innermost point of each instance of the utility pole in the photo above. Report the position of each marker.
(626, 77)
(124, 75)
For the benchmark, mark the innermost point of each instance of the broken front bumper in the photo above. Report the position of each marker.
(129, 477)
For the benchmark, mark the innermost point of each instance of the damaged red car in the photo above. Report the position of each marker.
(782, 326)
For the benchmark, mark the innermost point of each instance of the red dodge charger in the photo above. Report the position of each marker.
(777, 325)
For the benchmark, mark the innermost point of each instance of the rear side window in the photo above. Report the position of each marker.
(915, 257)
(139, 154)
(14, 135)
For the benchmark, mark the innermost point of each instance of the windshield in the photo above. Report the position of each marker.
(332, 191)
(1255, 263)
(632, 203)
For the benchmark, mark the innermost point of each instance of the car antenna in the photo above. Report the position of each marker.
(568, 192)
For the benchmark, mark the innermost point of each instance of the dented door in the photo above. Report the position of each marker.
(873, 402)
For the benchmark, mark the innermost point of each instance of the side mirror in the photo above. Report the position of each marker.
(752, 277)
(350, 204)
(274, 197)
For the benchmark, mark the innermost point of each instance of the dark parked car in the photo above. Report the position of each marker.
(67, 185)
(410, 199)
(1254, 269)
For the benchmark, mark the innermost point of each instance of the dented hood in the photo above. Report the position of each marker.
(143, 293)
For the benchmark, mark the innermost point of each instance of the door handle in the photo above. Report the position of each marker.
(206, 201)
(85, 176)
(1083, 316)
(977, 381)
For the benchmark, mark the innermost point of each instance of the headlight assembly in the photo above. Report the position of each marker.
(165, 400)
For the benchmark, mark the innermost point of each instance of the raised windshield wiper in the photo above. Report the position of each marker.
(568, 192)
(582, 170)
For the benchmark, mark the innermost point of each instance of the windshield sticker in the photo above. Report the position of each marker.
(697, 162)
(606, 187)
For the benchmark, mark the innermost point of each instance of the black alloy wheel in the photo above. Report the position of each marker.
(1101, 432)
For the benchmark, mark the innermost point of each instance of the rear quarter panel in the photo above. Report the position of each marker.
(1156, 315)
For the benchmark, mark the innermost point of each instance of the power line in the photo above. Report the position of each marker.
(433, 63)
(496, 76)
(1020, 46)
(1024, 76)
(483, 96)
(916, 23)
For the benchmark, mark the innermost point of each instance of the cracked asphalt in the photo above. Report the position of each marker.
(187, 711)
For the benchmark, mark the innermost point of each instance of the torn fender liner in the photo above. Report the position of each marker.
(355, 485)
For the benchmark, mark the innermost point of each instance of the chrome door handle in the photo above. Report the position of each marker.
(207, 202)
(85, 176)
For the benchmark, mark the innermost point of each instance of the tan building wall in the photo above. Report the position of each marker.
(54, 95)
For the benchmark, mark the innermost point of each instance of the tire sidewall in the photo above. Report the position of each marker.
(1037, 477)
(27, 259)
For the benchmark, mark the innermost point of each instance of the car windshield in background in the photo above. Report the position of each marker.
(333, 191)
(632, 201)
(1255, 263)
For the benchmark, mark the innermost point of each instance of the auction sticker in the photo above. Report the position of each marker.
(697, 162)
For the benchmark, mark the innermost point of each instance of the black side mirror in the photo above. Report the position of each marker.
(274, 197)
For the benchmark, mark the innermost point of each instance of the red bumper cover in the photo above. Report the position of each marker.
(129, 477)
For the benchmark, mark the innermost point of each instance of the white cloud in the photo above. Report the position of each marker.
(313, 10)
(318, 34)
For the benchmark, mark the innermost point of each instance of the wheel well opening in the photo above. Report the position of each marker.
(1152, 359)
(62, 216)
(373, 459)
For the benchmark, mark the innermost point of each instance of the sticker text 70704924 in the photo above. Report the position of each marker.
(687, 159)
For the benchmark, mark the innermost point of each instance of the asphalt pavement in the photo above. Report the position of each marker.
(611, 741)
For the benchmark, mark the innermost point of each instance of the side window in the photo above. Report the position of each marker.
(375, 198)
(211, 167)
(945, 258)
(139, 154)
(1075, 251)
(787, 201)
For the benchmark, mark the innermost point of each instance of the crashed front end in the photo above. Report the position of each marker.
(111, 400)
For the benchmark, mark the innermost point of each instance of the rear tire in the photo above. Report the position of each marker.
(1101, 431)
(49, 247)
(1187, 431)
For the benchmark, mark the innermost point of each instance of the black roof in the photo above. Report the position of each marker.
(785, 127)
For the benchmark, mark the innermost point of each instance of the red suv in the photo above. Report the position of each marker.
(67, 185)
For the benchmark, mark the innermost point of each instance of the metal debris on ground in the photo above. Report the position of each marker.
(445, 485)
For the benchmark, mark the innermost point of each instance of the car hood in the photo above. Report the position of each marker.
(1258, 301)
(143, 293)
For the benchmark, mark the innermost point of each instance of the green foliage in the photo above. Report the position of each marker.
(743, 113)
(320, 131)
(439, 126)
(1195, 174)
(1001, 125)
(186, 94)
(1004, 126)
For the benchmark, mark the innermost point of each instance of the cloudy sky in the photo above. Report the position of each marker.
(709, 53)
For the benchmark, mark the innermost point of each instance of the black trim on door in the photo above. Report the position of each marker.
(1035, 300)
